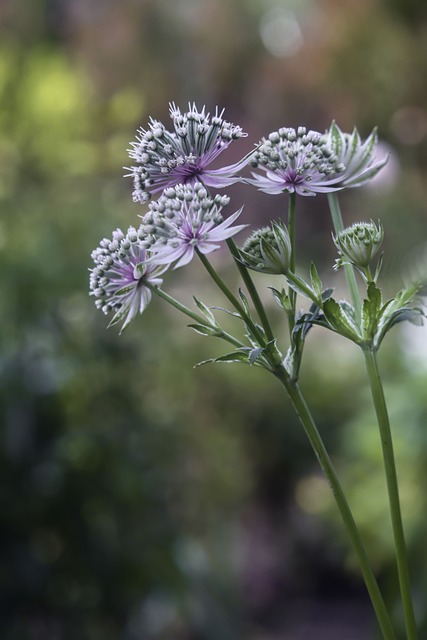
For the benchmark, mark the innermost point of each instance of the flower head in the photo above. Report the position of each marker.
(359, 243)
(121, 274)
(296, 161)
(268, 249)
(359, 158)
(186, 218)
(166, 158)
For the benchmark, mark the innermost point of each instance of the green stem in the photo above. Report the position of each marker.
(337, 221)
(247, 279)
(194, 316)
(292, 259)
(232, 298)
(393, 490)
(326, 464)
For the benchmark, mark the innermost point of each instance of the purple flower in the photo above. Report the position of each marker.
(295, 161)
(166, 158)
(186, 218)
(121, 274)
(359, 158)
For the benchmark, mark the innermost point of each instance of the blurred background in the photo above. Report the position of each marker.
(141, 499)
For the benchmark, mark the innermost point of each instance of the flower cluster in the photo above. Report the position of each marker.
(297, 161)
(123, 275)
(167, 158)
(186, 218)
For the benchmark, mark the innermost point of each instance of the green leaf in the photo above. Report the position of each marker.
(316, 283)
(254, 354)
(340, 321)
(404, 307)
(205, 310)
(282, 299)
(228, 358)
(371, 312)
(245, 302)
(300, 286)
(230, 313)
(204, 330)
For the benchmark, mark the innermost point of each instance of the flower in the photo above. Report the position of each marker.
(268, 249)
(166, 158)
(359, 158)
(186, 218)
(295, 161)
(359, 243)
(121, 274)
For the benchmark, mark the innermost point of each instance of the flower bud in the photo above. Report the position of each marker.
(359, 243)
(268, 250)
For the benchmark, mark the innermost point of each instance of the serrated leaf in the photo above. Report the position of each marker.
(205, 310)
(339, 321)
(371, 311)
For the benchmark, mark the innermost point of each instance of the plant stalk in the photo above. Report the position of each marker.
(326, 464)
(232, 298)
(392, 489)
(247, 279)
(292, 260)
(337, 221)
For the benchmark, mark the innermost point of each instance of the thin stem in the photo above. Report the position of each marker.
(393, 490)
(194, 316)
(326, 464)
(232, 298)
(337, 221)
(247, 279)
(292, 258)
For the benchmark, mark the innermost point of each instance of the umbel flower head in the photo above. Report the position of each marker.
(268, 249)
(359, 158)
(121, 274)
(186, 218)
(166, 158)
(359, 244)
(295, 161)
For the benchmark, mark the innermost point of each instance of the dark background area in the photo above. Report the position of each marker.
(141, 499)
